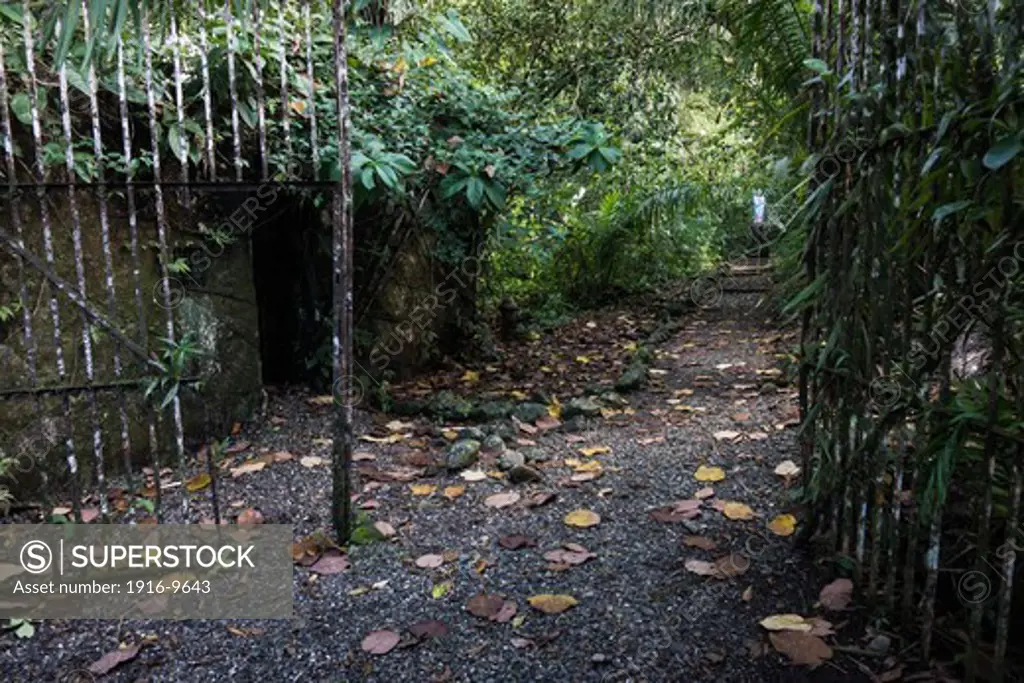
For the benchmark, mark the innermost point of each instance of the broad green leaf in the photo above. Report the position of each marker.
(949, 209)
(818, 66)
(475, 192)
(495, 195)
(22, 108)
(367, 178)
(178, 143)
(1002, 152)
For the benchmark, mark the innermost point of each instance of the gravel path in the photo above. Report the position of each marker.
(640, 615)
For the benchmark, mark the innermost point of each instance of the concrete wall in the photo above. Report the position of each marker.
(219, 308)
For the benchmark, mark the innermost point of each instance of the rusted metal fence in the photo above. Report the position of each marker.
(116, 132)
(912, 384)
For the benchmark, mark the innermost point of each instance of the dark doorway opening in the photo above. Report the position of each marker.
(292, 273)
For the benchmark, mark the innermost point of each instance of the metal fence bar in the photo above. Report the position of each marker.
(44, 216)
(133, 231)
(236, 138)
(311, 94)
(261, 115)
(286, 104)
(162, 237)
(108, 262)
(76, 237)
(211, 155)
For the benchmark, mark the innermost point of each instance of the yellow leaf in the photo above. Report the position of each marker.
(591, 451)
(518, 395)
(582, 518)
(552, 604)
(555, 408)
(450, 434)
(441, 589)
(546, 369)
(326, 399)
(427, 61)
(299, 107)
(589, 466)
(453, 492)
(198, 482)
(786, 622)
(422, 489)
(582, 359)
(734, 510)
(608, 413)
(705, 473)
(783, 525)
(629, 346)
(471, 376)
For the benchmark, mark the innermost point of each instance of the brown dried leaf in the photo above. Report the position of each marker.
(332, 562)
(516, 541)
(837, 595)
(502, 500)
(380, 642)
(429, 628)
(552, 604)
(107, 663)
(803, 649)
(484, 605)
(430, 561)
(699, 542)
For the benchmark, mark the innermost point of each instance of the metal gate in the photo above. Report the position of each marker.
(120, 120)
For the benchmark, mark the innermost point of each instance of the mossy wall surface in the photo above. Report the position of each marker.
(221, 313)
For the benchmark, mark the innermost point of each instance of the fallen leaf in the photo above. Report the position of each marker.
(836, 596)
(591, 451)
(360, 456)
(738, 511)
(380, 642)
(484, 605)
(540, 498)
(521, 643)
(733, 564)
(705, 473)
(311, 461)
(726, 435)
(390, 438)
(439, 590)
(699, 542)
(237, 447)
(385, 529)
(589, 466)
(471, 376)
(786, 622)
(582, 518)
(422, 489)
(701, 567)
(740, 417)
(552, 604)
(803, 649)
(507, 611)
(569, 556)
(787, 468)
(453, 492)
(248, 467)
(431, 561)
(783, 525)
(502, 500)
(748, 594)
(704, 493)
(324, 400)
(516, 541)
(250, 516)
(473, 475)
(429, 628)
(332, 563)
(107, 663)
(198, 482)
(548, 422)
